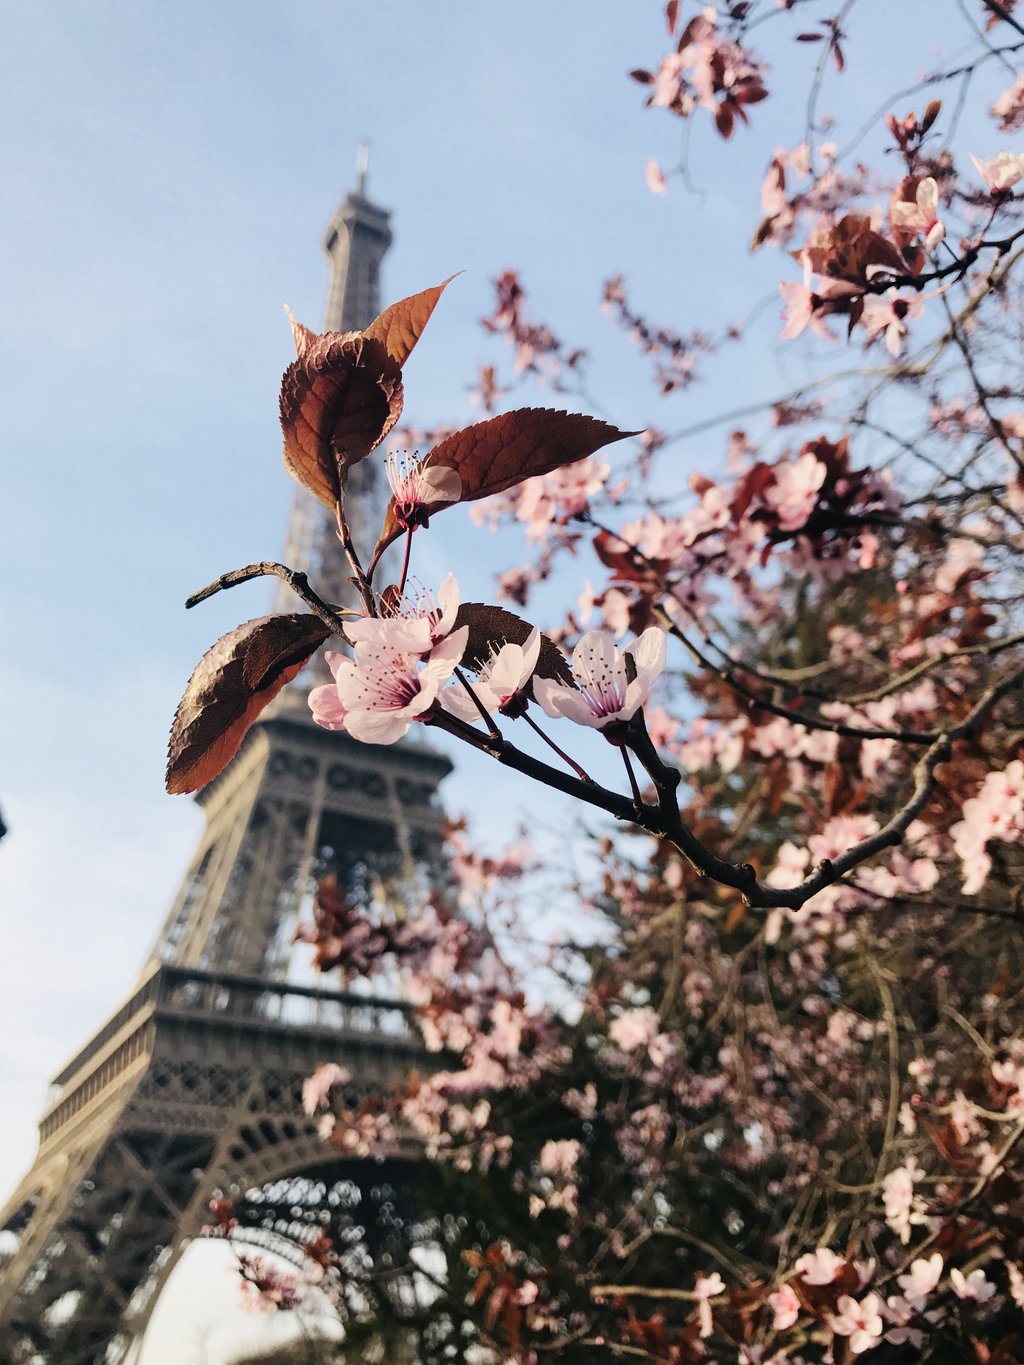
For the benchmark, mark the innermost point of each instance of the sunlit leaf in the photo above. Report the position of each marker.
(339, 400)
(399, 327)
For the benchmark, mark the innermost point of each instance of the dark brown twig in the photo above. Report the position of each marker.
(298, 583)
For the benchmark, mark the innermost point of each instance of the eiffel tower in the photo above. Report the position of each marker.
(193, 1084)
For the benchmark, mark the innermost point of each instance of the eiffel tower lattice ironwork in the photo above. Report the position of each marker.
(195, 1082)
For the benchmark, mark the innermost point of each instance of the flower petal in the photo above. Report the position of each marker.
(559, 701)
(378, 727)
(327, 708)
(648, 652)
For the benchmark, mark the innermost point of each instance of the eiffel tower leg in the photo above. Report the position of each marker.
(90, 1250)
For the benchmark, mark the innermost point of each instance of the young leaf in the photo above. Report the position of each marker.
(493, 455)
(491, 627)
(339, 400)
(399, 327)
(231, 684)
(303, 336)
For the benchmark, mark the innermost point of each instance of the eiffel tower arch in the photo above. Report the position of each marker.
(193, 1085)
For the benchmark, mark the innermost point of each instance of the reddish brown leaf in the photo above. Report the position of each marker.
(491, 627)
(399, 327)
(302, 335)
(930, 115)
(231, 684)
(494, 455)
(339, 400)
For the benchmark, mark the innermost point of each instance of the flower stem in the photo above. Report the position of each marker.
(488, 720)
(584, 777)
(637, 798)
(405, 561)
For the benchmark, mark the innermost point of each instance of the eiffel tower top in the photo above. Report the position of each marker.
(356, 242)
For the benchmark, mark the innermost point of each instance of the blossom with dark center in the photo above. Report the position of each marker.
(500, 684)
(416, 625)
(604, 691)
(417, 490)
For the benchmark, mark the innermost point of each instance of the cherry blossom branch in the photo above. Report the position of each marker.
(827, 49)
(647, 1291)
(925, 83)
(743, 876)
(298, 582)
(959, 907)
(883, 281)
(794, 717)
(903, 680)
(583, 789)
(665, 821)
(728, 675)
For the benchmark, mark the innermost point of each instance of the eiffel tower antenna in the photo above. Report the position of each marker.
(193, 1084)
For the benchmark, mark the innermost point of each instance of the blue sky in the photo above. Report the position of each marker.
(168, 173)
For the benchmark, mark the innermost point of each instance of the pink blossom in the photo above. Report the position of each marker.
(1010, 1074)
(605, 692)
(889, 315)
(506, 1035)
(712, 513)
(668, 81)
(1009, 107)
(923, 1277)
(791, 867)
(799, 311)
(974, 1286)
(499, 684)
(840, 834)
(317, 1088)
(564, 492)
(793, 492)
(560, 1157)
(416, 625)
(962, 556)
(819, 1267)
(661, 727)
(416, 489)
(383, 690)
(785, 1306)
(655, 178)
(635, 1029)
(996, 812)
(903, 1208)
(1016, 1283)
(922, 215)
(324, 701)
(615, 611)
(706, 1288)
(1002, 172)
(861, 1322)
